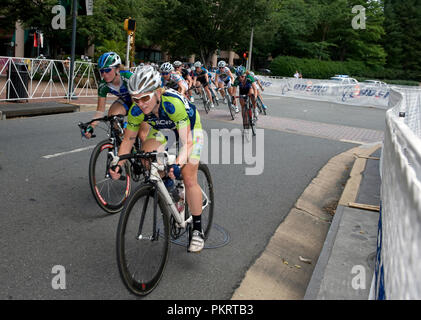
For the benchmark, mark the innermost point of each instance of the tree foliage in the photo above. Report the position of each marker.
(183, 27)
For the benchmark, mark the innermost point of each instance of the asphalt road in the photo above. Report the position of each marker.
(48, 216)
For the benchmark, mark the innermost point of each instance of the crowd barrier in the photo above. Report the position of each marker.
(360, 94)
(27, 78)
(397, 271)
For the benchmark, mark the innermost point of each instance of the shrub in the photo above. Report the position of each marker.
(317, 69)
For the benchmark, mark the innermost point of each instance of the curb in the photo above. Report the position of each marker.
(313, 287)
(349, 194)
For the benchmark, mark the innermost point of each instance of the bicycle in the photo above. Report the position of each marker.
(214, 98)
(249, 114)
(150, 217)
(204, 97)
(231, 107)
(110, 195)
(259, 104)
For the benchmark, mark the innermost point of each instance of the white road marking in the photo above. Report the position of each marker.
(67, 152)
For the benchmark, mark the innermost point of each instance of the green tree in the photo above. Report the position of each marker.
(403, 35)
(183, 27)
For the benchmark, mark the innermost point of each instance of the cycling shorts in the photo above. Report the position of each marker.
(226, 82)
(202, 80)
(197, 137)
(123, 103)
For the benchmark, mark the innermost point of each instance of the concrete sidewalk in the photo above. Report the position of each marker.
(13, 110)
(344, 270)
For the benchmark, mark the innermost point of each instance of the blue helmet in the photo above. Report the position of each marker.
(108, 60)
(240, 71)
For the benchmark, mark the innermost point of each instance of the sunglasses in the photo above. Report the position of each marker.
(165, 73)
(106, 70)
(145, 98)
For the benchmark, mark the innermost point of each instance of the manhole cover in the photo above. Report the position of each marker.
(218, 237)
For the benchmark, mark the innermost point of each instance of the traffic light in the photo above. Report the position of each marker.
(246, 55)
(130, 25)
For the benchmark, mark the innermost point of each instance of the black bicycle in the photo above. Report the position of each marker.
(111, 194)
(151, 217)
(249, 114)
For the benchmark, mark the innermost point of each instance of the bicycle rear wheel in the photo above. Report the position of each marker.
(204, 180)
(143, 241)
(109, 194)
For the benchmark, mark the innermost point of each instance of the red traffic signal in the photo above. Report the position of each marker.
(246, 55)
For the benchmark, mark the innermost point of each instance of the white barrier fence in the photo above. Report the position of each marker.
(26, 79)
(397, 273)
(328, 90)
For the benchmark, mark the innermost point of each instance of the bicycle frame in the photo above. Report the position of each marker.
(156, 180)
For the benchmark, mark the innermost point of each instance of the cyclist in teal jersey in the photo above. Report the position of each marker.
(247, 86)
(200, 74)
(167, 109)
(114, 81)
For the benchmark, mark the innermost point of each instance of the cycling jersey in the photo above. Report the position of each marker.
(175, 112)
(173, 81)
(121, 91)
(211, 77)
(201, 74)
(223, 74)
(184, 73)
(246, 86)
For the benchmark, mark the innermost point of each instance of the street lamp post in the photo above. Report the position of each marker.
(248, 66)
(72, 56)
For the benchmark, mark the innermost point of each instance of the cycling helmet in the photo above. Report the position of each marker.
(240, 71)
(221, 64)
(144, 79)
(177, 64)
(197, 64)
(108, 60)
(166, 67)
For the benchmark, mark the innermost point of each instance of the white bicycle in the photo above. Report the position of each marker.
(150, 217)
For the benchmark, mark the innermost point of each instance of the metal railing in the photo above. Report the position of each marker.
(28, 78)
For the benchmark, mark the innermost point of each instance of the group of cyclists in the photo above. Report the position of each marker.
(156, 100)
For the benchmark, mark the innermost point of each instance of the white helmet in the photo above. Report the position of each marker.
(144, 79)
(221, 64)
(197, 64)
(166, 67)
(177, 64)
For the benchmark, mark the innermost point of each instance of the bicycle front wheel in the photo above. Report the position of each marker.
(230, 106)
(143, 241)
(109, 194)
(252, 117)
(259, 104)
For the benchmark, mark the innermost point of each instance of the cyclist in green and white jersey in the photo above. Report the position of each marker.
(114, 80)
(167, 109)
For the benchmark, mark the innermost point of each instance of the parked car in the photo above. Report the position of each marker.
(265, 71)
(344, 79)
(376, 83)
